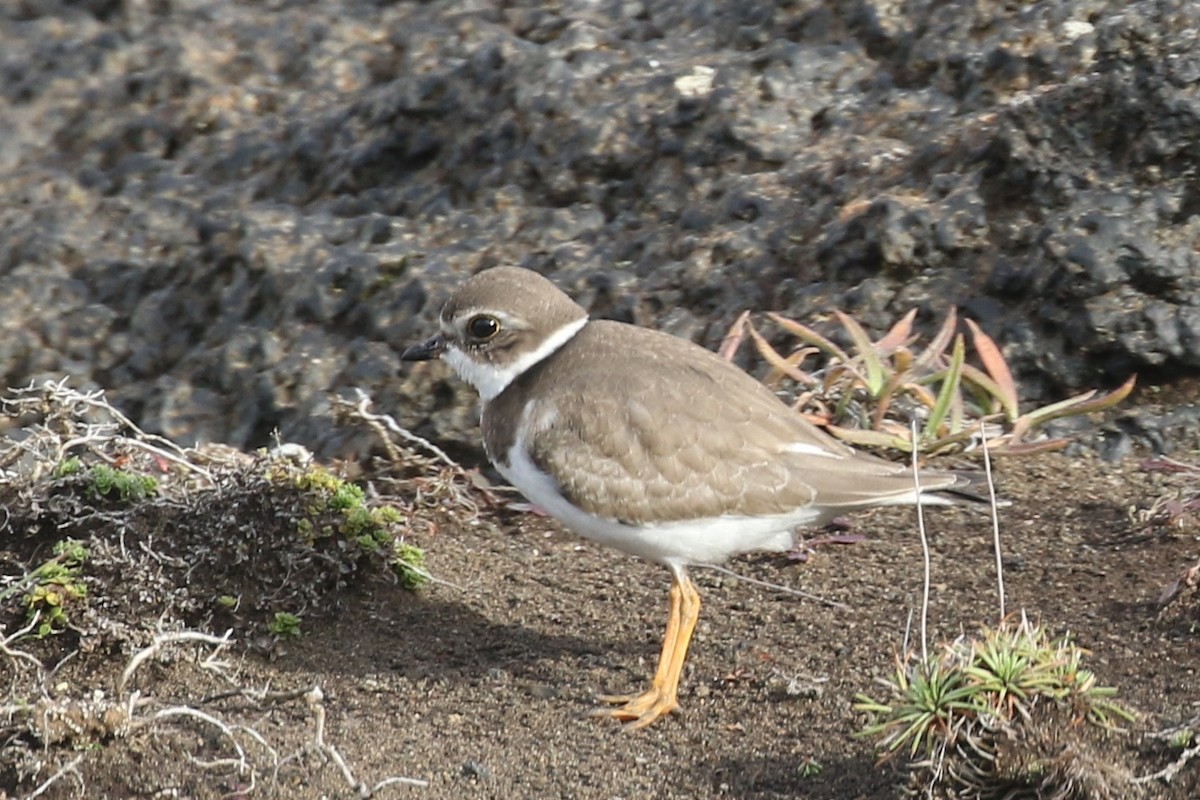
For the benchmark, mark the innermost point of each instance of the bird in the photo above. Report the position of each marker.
(650, 444)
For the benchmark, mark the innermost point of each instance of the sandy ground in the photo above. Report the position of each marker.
(483, 688)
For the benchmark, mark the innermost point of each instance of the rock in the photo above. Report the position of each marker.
(225, 213)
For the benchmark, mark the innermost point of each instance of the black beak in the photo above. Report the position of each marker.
(427, 350)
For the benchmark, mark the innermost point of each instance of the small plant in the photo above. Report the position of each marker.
(1182, 738)
(1178, 510)
(958, 713)
(338, 507)
(284, 625)
(67, 467)
(56, 585)
(856, 394)
(810, 768)
(346, 496)
(109, 482)
(370, 528)
(408, 562)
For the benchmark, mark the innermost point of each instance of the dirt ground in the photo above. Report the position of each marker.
(482, 688)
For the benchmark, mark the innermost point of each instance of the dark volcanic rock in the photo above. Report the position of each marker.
(222, 213)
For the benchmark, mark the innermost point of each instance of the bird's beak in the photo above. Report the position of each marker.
(427, 350)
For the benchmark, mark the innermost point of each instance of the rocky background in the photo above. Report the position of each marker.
(223, 212)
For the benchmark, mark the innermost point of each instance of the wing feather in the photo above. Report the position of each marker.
(656, 429)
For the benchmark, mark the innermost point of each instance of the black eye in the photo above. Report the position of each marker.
(483, 327)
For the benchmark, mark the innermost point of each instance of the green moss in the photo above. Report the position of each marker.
(108, 482)
(67, 467)
(337, 507)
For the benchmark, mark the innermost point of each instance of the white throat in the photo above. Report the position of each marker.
(491, 379)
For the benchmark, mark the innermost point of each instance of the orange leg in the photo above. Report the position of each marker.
(662, 696)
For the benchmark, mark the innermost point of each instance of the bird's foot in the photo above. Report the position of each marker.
(638, 711)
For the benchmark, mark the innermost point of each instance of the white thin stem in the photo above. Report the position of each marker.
(162, 640)
(775, 586)
(70, 767)
(315, 698)
(926, 561)
(364, 402)
(987, 468)
(907, 630)
(187, 711)
(1170, 770)
(429, 576)
(397, 780)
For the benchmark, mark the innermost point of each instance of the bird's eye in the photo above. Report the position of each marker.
(483, 327)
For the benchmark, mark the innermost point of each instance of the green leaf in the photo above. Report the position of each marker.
(867, 352)
(950, 388)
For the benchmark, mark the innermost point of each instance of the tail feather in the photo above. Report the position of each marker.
(968, 488)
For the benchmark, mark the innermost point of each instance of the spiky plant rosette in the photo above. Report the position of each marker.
(1008, 713)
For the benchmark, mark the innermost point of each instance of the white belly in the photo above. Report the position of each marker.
(699, 541)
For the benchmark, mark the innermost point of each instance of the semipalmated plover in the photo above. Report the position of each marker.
(650, 444)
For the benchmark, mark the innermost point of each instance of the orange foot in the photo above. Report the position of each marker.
(638, 711)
